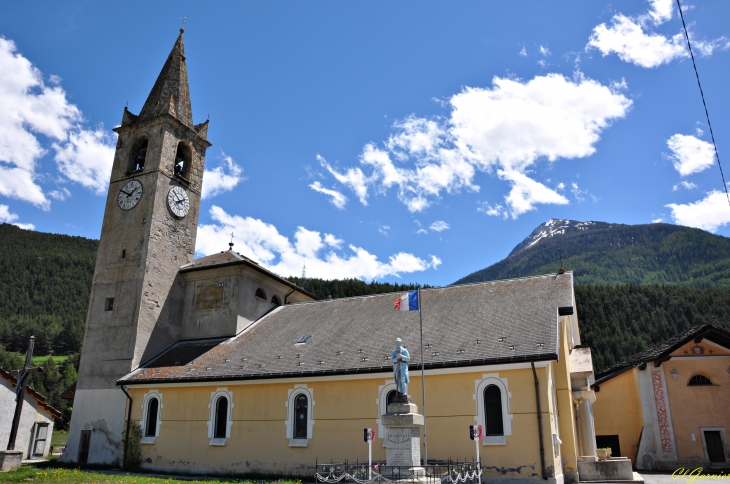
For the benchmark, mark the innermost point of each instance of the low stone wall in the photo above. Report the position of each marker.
(615, 469)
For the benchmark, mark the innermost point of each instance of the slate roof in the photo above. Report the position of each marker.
(667, 347)
(462, 326)
(230, 257)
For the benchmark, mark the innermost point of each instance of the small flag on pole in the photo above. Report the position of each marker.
(407, 302)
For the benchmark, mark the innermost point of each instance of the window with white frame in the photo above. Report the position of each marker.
(492, 397)
(220, 421)
(151, 409)
(299, 416)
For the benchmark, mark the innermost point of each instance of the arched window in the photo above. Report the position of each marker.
(139, 155)
(260, 294)
(699, 381)
(221, 418)
(153, 407)
(183, 159)
(301, 410)
(493, 411)
(390, 398)
(275, 300)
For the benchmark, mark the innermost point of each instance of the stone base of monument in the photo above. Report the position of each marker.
(403, 439)
(10, 460)
(612, 469)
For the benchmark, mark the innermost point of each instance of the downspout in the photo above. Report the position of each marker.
(287, 296)
(129, 419)
(539, 419)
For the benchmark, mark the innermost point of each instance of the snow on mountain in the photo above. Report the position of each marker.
(553, 228)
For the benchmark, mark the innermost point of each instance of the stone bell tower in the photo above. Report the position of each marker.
(148, 232)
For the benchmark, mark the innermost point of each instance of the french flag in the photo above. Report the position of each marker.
(407, 302)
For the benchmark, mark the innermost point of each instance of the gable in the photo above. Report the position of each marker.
(703, 348)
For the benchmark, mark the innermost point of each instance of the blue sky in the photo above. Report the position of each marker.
(409, 141)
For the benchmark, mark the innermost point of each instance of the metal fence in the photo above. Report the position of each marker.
(446, 472)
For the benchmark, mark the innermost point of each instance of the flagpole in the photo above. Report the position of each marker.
(423, 382)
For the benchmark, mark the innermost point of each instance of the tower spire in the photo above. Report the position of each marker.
(171, 93)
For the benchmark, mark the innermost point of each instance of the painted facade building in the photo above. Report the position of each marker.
(36, 419)
(667, 407)
(228, 367)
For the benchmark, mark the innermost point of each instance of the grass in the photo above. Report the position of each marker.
(59, 438)
(76, 476)
(39, 360)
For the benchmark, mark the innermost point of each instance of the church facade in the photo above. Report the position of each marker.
(229, 367)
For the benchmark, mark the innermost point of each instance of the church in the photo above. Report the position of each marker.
(228, 367)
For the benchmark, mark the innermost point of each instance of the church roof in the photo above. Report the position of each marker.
(661, 351)
(229, 258)
(171, 93)
(496, 322)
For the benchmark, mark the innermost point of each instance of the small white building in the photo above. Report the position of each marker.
(36, 419)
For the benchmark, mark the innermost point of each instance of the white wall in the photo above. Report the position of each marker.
(28, 417)
(103, 412)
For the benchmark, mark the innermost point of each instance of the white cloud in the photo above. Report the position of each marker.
(633, 40)
(503, 129)
(354, 178)
(87, 158)
(60, 195)
(263, 243)
(439, 226)
(7, 217)
(31, 108)
(337, 198)
(523, 52)
(384, 229)
(685, 184)
(544, 51)
(223, 178)
(657, 220)
(496, 210)
(526, 193)
(710, 213)
(690, 154)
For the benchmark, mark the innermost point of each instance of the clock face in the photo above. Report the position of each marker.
(178, 201)
(129, 194)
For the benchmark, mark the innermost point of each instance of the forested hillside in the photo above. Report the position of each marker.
(44, 289)
(599, 252)
(46, 280)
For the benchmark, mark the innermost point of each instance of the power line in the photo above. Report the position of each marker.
(702, 94)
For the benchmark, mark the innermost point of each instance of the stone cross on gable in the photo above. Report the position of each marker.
(184, 23)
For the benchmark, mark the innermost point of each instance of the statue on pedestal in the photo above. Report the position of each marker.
(400, 358)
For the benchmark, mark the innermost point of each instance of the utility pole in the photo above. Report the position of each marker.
(22, 382)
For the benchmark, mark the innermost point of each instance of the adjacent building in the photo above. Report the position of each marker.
(36, 420)
(667, 407)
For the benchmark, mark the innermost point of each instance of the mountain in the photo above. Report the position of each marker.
(605, 253)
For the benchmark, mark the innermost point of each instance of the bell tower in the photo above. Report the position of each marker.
(148, 232)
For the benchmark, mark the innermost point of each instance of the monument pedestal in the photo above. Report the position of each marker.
(403, 439)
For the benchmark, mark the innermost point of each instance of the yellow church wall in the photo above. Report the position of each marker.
(341, 410)
(694, 407)
(709, 349)
(617, 411)
(568, 458)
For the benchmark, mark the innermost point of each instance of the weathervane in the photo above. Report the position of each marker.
(184, 23)
(230, 244)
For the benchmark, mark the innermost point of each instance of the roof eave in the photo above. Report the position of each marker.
(345, 371)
